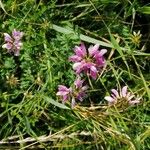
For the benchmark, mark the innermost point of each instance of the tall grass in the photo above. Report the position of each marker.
(32, 116)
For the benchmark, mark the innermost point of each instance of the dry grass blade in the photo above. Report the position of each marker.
(2, 6)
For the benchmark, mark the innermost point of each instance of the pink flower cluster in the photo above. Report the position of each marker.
(88, 61)
(123, 95)
(78, 92)
(13, 43)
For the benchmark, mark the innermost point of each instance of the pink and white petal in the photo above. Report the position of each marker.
(4, 46)
(62, 93)
(62, 88)
(77, 66)
(81, 95)
(128, 94)
(17, 35)
(78, 51)
(70, 90)
(65, 98)
(93, 50)
(7, 46)
(18, 44)
(109, 99)
(8, 38)
(84, 88)
(82, 46)
(124, 91)
(133, 102)
(78, 83)
(73, 102)
(93, 72)
(115, 92)
(113, 96)
(88, 65)
(78, 71)
(130, 97)
(75, 58)
(100, 61)
(102, 52)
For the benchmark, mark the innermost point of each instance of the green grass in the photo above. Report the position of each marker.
(32, 116)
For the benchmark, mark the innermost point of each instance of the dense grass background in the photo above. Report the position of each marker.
(32, 116)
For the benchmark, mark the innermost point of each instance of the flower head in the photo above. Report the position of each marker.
(136, 38)
(123, 97)
(13, 43)
(64, 92)
(88, 61)
(79, 89)
(77, 92)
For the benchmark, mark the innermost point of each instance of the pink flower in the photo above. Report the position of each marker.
(80, 89)
(123, 96)
(77, 92)
(98, 55)
(13, 43)
(64, 92)
(88, 61)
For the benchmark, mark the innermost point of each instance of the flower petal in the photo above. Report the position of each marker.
(130, 97)
(115, 92)
(63, 88)
(100, 61)
(109, 99)
(102, 52)
(65, 98)
(78, 83)
(124, 91)
(88, 65)
(17, 35)
(84, 88)
(93, 50)
(80, 50)
(73, 102)
(62, 93)
(133, 102)
(18, 44)
(93, 72)
(75, 58)
(82, 46)
(8, 38)
(7, 46)
(77, 65)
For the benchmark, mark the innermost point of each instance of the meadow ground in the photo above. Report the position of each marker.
(75, 74)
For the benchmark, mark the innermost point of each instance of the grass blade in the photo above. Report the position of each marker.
(50, 100)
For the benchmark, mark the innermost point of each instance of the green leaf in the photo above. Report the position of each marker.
(120, 51)
(81, 36)
(145, 10)
(92, 40)
(62, 30)
(89, 39)
(50, 100)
